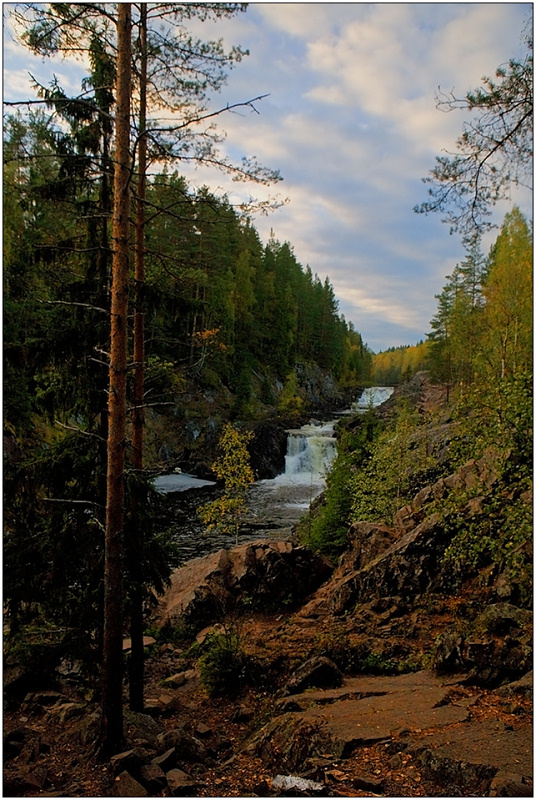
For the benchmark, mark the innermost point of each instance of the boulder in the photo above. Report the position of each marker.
(166, 761)
(24, 780)
(289, 742)
(508, 784)
(179, 679)
(489, 660)
(265, 573)
(127, 786)
(166, 703)
(141, 727)
(66, 711)
(448, 652)
(180, 784)
(129, 761)
(186, 747)
(523, 686)
(24, 740)
(502, 618)
(499, 660)
(203, 731)
(153, 778)
(86, 730)
(319, 672)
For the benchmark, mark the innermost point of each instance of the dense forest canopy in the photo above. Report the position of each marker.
(397, 364)
(482, 330)
(219, 304)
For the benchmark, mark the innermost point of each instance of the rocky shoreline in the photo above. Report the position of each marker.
(376, 676)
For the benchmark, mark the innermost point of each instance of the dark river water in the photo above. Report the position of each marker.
(274, 505)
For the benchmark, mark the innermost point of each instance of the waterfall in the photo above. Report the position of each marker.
(372, 396)
(310, 453)
(279, 502)
(275, 504)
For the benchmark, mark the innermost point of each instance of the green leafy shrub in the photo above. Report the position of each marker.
(399, 464)
(357, 657)
(223, 666)
(291, 403)
(38, 649)
(493, 524)
(232, 465)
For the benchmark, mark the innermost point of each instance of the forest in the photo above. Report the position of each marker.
(130, 294)
(483, 323)
(211, 308)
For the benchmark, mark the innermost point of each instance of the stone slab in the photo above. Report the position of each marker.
(354, 722)
(371, 685)
(486, 743)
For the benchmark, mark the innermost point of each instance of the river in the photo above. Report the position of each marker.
(275, 505)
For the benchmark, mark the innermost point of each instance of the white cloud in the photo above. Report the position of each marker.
(351, 123)
(302, 20)
(397, 313)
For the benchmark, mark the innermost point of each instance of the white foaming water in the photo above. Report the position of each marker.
(179, 482)
(310, 453)
(277, 504)
(373, 396)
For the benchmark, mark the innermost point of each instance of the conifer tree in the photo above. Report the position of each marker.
(136, 663)
(112, 693)
(494, 151)
(508, 295)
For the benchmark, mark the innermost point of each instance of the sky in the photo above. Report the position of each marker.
(351, 124)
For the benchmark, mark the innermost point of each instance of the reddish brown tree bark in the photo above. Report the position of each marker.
(136, 665)
(112, 683)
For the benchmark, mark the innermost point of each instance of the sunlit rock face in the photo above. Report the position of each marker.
(267, 574)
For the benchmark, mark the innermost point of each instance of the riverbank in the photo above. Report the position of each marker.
(297, 459)
(389, 676)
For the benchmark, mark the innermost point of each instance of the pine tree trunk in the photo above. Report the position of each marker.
(112, 689)
(136, 665)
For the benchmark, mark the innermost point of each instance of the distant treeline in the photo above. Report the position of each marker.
(398, 364)
(482, 329)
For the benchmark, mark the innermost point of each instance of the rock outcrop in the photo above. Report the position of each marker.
(264, 574)
(405, 559)
(329, 725)
(267, 449)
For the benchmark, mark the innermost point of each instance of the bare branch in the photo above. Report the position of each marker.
(70, 303)
(72, 502)
(79, 430)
